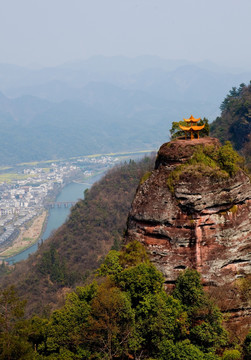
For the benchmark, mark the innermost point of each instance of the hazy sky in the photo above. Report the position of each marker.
(51, 32)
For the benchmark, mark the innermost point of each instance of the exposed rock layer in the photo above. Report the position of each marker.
(205, 224)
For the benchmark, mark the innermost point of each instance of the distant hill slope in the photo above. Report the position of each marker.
(234, 124)
(77, 247)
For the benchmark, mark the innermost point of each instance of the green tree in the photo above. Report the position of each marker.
(228, 159)
(110, 324)
(189, 290)
(129, 315)
(139, 281)
(205, 319)
(133, 254)
(183, 350)
(111, 265)
(64, 331)
(52, 265)
(175, 130)
(156, 314)
(13, 328)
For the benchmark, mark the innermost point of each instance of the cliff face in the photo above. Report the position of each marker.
(204, 224)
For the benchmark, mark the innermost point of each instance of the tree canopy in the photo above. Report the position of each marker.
(124, 314)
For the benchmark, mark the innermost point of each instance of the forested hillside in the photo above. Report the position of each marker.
(234, 124)
(125, 314)
(95, 225)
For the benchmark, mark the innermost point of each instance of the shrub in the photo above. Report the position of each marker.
(145, 177)
(208, 161)
(229, 159)
(231, 355)
(247, 346)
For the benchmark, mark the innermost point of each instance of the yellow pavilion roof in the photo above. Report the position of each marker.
(196, 127)
(192, 119)
(193, 127)
(185, 128)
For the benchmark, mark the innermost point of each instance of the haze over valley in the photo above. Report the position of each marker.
(103, 104)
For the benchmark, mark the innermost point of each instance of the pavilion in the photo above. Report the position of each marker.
(192, 128)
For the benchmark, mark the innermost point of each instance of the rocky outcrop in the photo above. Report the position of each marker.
(203, 223)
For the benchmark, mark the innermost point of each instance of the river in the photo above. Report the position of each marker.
(57, 215)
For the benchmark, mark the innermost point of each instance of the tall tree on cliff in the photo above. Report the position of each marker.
(234, 124)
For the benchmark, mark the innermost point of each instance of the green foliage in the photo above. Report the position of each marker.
(229, 159)
(189, 290)
(208, 335)
(206, 130)
(231, 355)
(204, 317)
(52, 265)
(110, 324)
(133, 254)
(247, 346)
(14, 343)
(233, 94)
(140, 280)
(176, 131)
(183, 350)
(64, 330)
(111, 264)
(127, 315)
(206, 155)
(234, 124)
(37, 333)
(208, 161)
(156, 314)
(145, 177)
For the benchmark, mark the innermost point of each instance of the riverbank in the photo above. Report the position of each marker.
(27, 237)
(56, 216)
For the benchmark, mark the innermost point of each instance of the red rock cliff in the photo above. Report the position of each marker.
(203, 223)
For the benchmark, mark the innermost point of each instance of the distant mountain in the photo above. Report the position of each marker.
(103, 104)
(187, 83)
(155, 75)
(103, 118)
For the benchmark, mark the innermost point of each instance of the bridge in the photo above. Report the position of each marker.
(59, 204)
